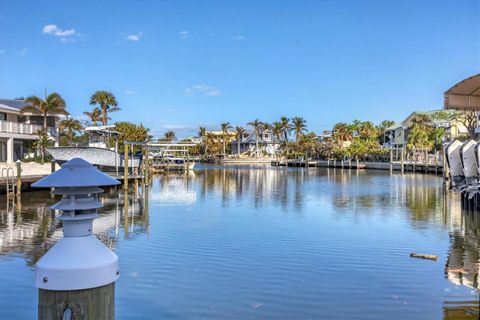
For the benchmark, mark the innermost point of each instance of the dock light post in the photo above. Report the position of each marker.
(76, 277)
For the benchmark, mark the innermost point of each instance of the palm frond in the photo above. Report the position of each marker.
(30, 109)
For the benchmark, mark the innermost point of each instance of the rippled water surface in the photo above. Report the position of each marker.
(266, 243)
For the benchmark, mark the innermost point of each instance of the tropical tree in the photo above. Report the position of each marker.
(169, 135)
(202, 131)
(420, 132)
(257, 127)
(342, 132)
(53, 104)
(42, 142)
(225, 127)
(132, 132)
(69, 127)
(95, 116)
(277, 131)
(299, 127)
(107, 102)
(286, 127)
(239, 132)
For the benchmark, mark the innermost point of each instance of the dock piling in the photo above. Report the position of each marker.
(125, 168)
(19, 178)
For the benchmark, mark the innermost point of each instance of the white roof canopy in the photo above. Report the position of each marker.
(465, 95)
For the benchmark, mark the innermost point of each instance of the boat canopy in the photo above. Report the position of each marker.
(465, 95)
(103, 130)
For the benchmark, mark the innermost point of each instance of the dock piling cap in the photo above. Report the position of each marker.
(76, 173)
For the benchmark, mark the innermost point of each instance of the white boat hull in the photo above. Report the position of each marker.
(104, 159)
(454, 160)
(469, 161)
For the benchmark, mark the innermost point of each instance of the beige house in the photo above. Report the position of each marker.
(18, 132)
(397, 134)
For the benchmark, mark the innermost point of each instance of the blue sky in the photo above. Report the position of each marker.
(181, 64)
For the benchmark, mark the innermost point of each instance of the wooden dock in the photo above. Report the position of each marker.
(405, 166)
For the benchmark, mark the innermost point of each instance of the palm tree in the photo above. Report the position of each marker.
(169, 135)
(107, 101)
(68, 127)
(257, 127)
(202, 131)
(95, 116)
(225, 127)
(277, 131)
(239, 131)
(53, 104)
(299, 126)
(286, 128)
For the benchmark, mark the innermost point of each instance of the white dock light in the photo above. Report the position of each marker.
(78, 260)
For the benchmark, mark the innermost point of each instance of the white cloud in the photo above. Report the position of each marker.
(23, 52)
(135, 37)
(129, 92)
(239, 38)
(53, 30)
(169, 126)
(184, 34)
(67, 40)
(203, 90)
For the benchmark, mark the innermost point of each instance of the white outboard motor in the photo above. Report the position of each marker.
(469, 162)
(454, 163)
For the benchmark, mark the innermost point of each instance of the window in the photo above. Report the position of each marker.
(3, 116)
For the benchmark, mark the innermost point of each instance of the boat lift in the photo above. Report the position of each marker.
(159, 151)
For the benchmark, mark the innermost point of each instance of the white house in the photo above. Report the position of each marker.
(248, 144)
(18, 132)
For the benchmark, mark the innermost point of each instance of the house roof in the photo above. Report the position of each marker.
(394, 126)
(12, 105)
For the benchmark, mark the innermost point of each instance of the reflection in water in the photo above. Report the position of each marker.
(462, 266)
(31, 229)
(325, 223)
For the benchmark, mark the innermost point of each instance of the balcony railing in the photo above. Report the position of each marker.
(24, 128)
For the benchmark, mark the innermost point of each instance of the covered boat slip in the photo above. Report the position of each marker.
(465, 96)
(170, 156)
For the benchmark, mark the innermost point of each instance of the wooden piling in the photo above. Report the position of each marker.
(19, 178)
(52, 166)
(96, 303)
(391, 159)
(402, 156)
(125, 168)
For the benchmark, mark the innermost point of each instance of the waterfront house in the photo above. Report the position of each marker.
(19, 131)
(397, 135)
(248, 144)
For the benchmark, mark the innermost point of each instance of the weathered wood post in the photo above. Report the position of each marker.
(19, 179)
(126, 202)
(402, 156)
(147, 163)
(391, 159)
(125, 167)
(52, 166)
(76, 277)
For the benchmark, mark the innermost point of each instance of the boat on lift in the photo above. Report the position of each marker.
(98, 152)
(454, 163)
(469, 162)
(171, 157)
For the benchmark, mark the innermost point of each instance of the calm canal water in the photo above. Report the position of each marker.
(244, 242)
